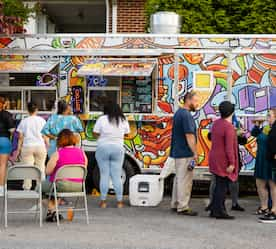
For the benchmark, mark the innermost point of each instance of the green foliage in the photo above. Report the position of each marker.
(220, 16)
(16, 8)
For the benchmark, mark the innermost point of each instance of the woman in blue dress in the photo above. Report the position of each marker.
(262, 166)
(57, 122)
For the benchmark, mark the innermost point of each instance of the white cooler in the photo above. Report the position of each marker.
(145, 190)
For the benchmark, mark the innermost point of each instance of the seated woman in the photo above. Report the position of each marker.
(66, 154)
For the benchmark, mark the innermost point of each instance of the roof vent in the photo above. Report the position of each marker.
(165, 22)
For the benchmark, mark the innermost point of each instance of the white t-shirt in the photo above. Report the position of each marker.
(111, 133)
(31, 128)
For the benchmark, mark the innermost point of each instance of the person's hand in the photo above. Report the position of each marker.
(230, 169)
(13, 157)
(16, 154)
(242, 131)
(195, 157)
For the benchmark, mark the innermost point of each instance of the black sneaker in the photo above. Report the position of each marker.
(268, 218)
(222, 217)
(188, 212)
(238, 208)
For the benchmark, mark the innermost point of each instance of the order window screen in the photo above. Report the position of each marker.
(13, 100)
(98, 99)
(137, 94)
(45, 100)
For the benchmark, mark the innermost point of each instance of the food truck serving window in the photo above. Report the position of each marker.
(129, 83)
(24, 81)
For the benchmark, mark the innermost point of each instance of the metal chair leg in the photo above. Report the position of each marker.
(3, 209)
(56, 203)
(40, 206)
(85, 204)
(6, 206)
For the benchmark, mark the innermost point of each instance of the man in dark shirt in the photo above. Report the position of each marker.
(183, 150)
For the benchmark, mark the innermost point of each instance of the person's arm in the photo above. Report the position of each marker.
(85, 159)
(271, 145)
(46, 131)
(10, 123)
(230, 137)
(20, 131)
(126, 128)
(19, 143)
(77, 125)
(97, 128)
(188, 129)
(96, 135)
(46, 141)
(191, 140)
(52, 164)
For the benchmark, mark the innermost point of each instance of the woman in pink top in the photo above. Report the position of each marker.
(66, 154)
(223, 158)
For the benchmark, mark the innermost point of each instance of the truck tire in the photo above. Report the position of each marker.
(128, 172)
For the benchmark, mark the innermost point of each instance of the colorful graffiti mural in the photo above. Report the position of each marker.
(253, 87)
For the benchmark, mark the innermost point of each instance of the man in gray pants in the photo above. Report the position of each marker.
(183, 150)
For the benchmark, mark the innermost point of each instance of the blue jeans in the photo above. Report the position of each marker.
(110, 158)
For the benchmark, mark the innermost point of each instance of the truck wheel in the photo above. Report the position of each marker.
(128, 172)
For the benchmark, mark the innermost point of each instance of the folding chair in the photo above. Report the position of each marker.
(22, 172)
(68, 172)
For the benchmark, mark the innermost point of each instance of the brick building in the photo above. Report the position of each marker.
(131, 16)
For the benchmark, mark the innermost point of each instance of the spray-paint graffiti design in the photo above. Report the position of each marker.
(253, 82)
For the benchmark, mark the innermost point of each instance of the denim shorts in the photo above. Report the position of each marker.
(5, 145)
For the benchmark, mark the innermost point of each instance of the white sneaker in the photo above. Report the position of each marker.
(1, 191)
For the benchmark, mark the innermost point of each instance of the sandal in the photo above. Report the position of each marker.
(261, 211)
(52, 216)
(63, 202)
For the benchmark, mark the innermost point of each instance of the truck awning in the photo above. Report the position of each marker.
(117, 68)
(21, 66)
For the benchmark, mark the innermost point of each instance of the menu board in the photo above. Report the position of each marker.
(137, 94)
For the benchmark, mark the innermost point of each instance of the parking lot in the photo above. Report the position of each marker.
(141, 227)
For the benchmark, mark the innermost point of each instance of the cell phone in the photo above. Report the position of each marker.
(192, 165)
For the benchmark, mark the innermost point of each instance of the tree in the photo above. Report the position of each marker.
(220, 16)
(14, 14)
(18, 9)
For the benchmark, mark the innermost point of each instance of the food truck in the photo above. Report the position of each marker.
(146, 74)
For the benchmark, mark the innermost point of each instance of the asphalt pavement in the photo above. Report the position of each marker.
(141, 228)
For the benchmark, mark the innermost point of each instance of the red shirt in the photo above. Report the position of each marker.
(224, 150)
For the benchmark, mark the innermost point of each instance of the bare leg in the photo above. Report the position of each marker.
(262, 192)
(3, 167)
(272, 185)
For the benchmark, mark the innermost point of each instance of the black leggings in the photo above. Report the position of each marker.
(219, 195)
